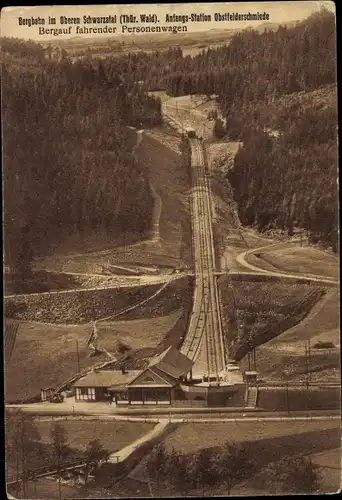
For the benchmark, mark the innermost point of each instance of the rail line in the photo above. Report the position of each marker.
(203, 343)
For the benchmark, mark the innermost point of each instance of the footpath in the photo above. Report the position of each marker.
(127, 451)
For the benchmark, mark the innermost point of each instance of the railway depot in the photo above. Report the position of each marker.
(167, 380)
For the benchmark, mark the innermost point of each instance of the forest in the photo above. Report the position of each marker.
(285, 173)
(68, 162)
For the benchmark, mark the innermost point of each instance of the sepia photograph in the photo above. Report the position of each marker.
(170, 250)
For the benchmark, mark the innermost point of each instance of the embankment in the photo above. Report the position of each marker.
(76, 306)
(254, 312)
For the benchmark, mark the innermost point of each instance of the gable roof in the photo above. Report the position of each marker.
(106, 378)
(172, 362)
(152, 377)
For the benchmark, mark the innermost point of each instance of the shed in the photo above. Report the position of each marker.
(47, 393)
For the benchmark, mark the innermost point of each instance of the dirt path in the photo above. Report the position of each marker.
(242, 259)
(157, 205)
(124, 453)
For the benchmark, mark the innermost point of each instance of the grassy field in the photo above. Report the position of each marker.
(133, 333)
(267, 442)
(44, 356)
(296, 259)
(190, 438)
(112, 435)
(238, 240)
(284, 356)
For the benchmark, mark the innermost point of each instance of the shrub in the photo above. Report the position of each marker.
(324, 345)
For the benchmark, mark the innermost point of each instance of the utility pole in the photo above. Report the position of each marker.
(309, 361)
(287, 397)
(306, 364)
(249, 361)
(78, 357)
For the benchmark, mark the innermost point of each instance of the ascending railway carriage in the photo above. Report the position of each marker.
(190, 132)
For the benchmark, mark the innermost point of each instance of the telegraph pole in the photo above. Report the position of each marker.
(309, 361)
(287, 397)
(78, 357)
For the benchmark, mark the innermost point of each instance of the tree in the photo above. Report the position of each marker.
(178, 472)
(94, 453)
(60, 449)
(157, 464)
(202, 469)
(233, 464)
(294, 475)
(21, 438)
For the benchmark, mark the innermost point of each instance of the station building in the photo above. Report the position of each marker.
(158, 383)
(167, 380)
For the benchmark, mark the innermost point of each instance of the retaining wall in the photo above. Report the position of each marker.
(75, 306)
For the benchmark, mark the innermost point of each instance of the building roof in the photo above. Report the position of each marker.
(107, 378)
(152, 377)
(172, 362)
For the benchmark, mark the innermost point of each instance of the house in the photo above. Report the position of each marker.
(159, 383)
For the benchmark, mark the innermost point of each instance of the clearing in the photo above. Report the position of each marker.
(192, 111)
(267, 442)
(45, 355)
(293, 258)
(238, 240)
(283, 357)
(159, 153)
(133, 333)
(316, 435)
(112, 435)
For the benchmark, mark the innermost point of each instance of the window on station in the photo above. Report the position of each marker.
(91, 393)
(85, 393)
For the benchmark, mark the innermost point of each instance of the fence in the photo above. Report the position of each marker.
(188, 403)
(47, 470)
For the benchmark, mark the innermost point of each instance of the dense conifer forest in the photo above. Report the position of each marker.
(285, 173)
(68, 163)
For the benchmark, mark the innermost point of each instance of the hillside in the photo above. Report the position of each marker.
(296, 145)
(69, 170)
(285, 173)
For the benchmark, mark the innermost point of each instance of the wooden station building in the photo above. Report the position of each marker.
(158, 384)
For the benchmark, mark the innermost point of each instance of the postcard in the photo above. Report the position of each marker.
(171, 250)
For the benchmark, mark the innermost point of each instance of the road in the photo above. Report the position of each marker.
(103, 411)
(242, 260)
(204, 340)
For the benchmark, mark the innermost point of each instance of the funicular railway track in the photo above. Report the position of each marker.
(203, 342)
